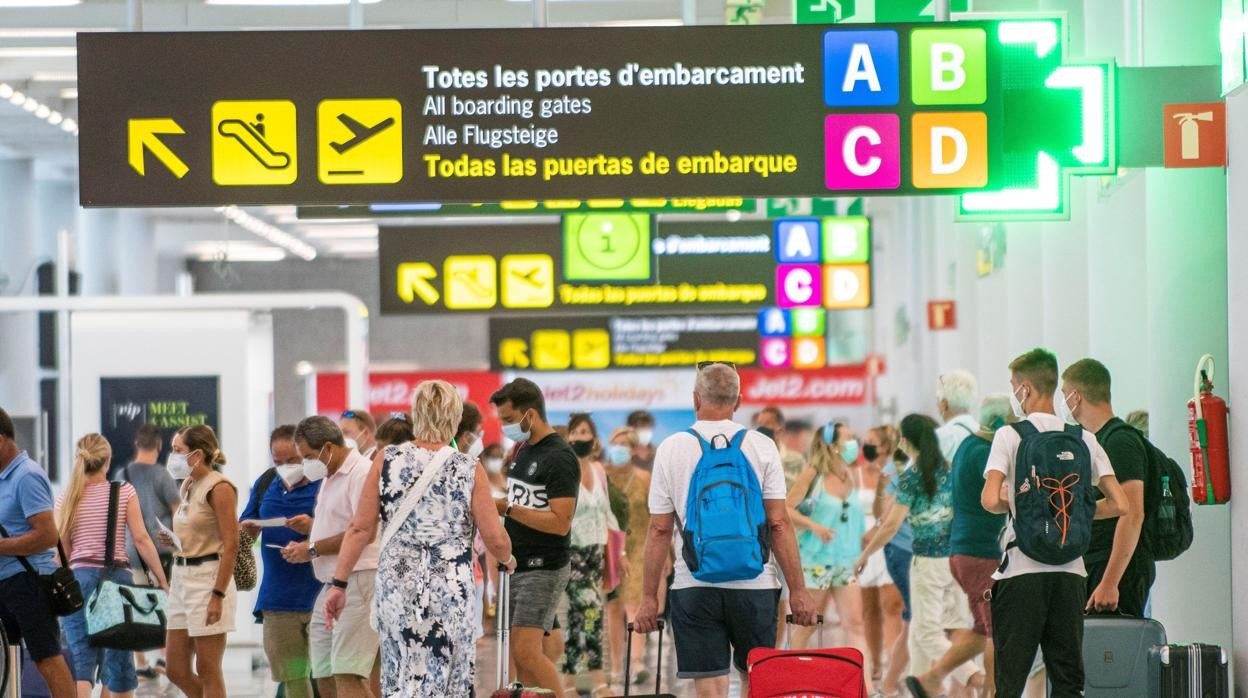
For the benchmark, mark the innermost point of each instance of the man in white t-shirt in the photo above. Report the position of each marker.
(716, 625)
(344, 659)
(1035, 605)
(955, 398)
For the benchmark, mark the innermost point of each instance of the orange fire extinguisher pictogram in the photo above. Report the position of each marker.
(1207, 430)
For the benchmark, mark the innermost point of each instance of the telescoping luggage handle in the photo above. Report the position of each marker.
(788, 629)
(628, 662)
(503, 620)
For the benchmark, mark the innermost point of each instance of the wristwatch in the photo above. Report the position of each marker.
(312, 551)
(218, 593)
(507, 511)
(338, 583)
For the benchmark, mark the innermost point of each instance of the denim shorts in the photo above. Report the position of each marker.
(113, 668)
(898, 562)
(716, 628)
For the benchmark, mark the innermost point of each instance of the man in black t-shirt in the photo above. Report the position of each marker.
(1120, 570)
(542, 485)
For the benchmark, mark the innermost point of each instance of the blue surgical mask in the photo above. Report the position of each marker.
(849, 451)
(515, 432)
(619, 455)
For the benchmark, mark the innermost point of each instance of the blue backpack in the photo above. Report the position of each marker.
(1054, 500)
(725, 533)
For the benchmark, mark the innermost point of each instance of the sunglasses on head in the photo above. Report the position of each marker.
(401, 416)
(704, 364)
(349, 414)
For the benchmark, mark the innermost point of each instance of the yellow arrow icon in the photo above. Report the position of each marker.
(513, 353)
(413, 282)
(143, 136)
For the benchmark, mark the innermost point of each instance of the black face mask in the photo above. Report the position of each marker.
(870, 451)
(768, 432)
(582, 448)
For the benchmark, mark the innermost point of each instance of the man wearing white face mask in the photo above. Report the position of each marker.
(343, 659)
(287, 591)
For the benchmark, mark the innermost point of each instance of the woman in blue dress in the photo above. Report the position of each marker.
(426, 497)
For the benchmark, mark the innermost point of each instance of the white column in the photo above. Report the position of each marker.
(135, 253)
(19, 345)
(97, 251)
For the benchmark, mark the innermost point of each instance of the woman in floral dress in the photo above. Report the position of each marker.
(424, 600)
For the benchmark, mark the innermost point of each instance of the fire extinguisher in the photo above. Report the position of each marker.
(1207, 429)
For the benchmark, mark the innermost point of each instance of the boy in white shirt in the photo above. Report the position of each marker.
(1036, 605)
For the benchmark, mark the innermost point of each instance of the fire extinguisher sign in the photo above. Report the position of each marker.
(1195, 134)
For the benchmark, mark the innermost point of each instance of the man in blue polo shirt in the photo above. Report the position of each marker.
(29, 531)
(287, 591)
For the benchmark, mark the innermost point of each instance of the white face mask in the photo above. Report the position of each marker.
(1064, 410)
(645, 436)
(315, 469)
(291, 474)
(179, 469)
(350, 442)
(494, 465)
(1017, 405)
(474, 451)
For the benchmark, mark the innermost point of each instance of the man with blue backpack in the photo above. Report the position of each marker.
(1045, 474)
(718, 496)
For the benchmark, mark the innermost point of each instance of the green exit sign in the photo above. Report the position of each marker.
(869, 11)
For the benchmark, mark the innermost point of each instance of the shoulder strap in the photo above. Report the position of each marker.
(1074, 430)
(265, 482)
(114, 496)
(26, 563)
(706, 446)
(739, 438)
(414, 495)
(1025, 428)
(125, 473)
(969, 430)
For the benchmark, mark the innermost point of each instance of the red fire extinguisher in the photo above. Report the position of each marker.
(1207, 429)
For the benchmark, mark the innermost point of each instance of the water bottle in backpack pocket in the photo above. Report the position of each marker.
(1054, 500)
(724, 535)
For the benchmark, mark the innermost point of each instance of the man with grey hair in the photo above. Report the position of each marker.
(344, 659)
(955, 399)
(975, 551)
(716, 625)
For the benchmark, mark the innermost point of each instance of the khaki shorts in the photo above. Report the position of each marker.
(351, 648)
(286, 645)
(190, 590)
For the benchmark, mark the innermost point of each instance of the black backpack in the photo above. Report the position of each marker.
(1054, 500)
(1168, 529)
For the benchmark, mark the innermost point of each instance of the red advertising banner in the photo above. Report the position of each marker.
(392, 392)
(835, 385)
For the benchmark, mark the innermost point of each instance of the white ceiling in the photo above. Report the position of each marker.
(36, 58)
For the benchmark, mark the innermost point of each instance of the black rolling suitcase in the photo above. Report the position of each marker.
(1193, 671)
(1118, 656)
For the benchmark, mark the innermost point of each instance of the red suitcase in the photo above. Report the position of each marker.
(810, 673)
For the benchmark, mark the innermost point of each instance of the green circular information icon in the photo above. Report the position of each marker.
(607, 247)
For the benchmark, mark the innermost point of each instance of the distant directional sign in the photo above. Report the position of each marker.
(144, 136)
(414, 281)
(869, 11)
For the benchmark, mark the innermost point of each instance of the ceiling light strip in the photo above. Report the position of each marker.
(269, 232)
(37, 109)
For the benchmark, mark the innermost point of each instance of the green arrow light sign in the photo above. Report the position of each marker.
(1070, 105)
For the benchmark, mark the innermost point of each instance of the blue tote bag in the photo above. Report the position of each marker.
(124, 616)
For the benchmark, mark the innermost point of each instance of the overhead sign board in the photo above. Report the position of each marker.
(610, 263)
(625, 341)
(552, 114)
(418, 209)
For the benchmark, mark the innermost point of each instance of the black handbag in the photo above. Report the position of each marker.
(64, 593)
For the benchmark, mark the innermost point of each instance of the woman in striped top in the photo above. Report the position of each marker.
(82, 518)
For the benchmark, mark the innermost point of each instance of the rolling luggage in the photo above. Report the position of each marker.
(1118, 657)
(503, 660)
(658, 672)
(837, 672)
(1193, 671)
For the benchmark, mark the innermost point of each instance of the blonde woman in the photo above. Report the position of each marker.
(425, 615)
(82, 519)
(202, 595)
(825, 507)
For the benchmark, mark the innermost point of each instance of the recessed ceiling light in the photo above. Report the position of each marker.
(6, 90)
(54, 76)
(42, 111)
(30, 105)
(17, 99)
(38, 51)
(287, 3)
(69, 93)
(34, 33)
(39, 3)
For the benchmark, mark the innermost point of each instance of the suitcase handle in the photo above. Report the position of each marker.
(628, 661)
(788, 622)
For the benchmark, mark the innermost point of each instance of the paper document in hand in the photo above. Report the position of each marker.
(177, 542)
(266, 523)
